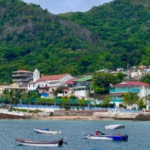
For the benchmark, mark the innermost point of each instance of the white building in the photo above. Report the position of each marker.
(14, 87)
(48, 84)
(82, 87)
(142, 90)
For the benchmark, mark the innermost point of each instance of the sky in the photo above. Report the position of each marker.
(63, 6)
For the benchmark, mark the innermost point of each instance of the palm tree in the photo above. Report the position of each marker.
(29, 95)
(107, 100)
(5, 94)
(17, 96)
(11, 96)
(130, 98)
(140, 103)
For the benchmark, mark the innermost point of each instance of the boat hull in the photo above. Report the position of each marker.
(106, 137)
(52, 132)
(39, 143)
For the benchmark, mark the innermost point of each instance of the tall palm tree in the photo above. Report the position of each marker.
(140, 103)
(130, 98)
(18, 95)
(11, 96)
(107, 100)
(29, 95)
(5, 94)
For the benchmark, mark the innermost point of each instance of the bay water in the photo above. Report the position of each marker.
(139, 134)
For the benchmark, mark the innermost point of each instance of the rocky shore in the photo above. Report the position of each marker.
(8, 116)
(142, 116)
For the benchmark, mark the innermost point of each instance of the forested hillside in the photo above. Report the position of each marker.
(33, 38)
(124, 28)
(112, 35)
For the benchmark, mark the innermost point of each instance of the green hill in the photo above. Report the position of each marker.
(112, 35)
(124, 28)
(33, 38)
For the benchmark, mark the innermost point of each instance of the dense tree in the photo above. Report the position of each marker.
(101, 81)
(146, 79)
(120, 76)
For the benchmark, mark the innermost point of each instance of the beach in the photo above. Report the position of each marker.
(70, 118)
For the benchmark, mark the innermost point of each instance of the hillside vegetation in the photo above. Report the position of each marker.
(124, 28)
(33, 38)
(113, 35)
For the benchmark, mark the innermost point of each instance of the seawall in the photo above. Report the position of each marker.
(142, 116)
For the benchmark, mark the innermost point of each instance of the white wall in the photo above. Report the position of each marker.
(144, 91)
(50, 83)
(81, 93)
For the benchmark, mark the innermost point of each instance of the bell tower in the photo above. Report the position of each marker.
(36, 75)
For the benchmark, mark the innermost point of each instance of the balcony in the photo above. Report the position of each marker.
(124, 90)
(22, 75)
(20, 80)
(117, 100)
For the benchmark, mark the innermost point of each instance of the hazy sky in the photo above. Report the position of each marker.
(62, 6)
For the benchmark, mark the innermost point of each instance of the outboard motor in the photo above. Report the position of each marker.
(61, 142)
(125, 137)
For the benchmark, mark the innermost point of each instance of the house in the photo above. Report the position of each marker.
(68, 89)
(142, 67)
(82, 87)
(142, 90)
(48, 84)
(22, 77)
(137, 74)
(14, 87)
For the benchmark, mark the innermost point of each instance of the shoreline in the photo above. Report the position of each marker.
(92, 118)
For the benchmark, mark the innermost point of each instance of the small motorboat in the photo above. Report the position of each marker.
(99, 135)
(47, 131)
(40, 143)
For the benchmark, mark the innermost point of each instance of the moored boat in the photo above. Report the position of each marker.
(47, 131)
(98, 135)
(40, 143)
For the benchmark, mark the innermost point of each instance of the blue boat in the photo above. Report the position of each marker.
(99, 135)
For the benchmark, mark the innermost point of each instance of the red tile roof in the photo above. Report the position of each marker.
(66, 90)
(70, 81)
(132, 83)
(51, 77)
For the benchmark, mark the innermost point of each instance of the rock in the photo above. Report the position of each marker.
(116, 115)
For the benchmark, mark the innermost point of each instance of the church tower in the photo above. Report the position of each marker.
(36, 75)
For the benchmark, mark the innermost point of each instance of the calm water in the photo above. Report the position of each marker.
(139, 135)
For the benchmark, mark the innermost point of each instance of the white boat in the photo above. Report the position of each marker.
(102, 136)
(47, 131)
(40, 143)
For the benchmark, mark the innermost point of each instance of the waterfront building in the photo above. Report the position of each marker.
(14, 87)
(48, 84)
(22, 77)
(142, 90)
(68, 89)
(83, 87)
